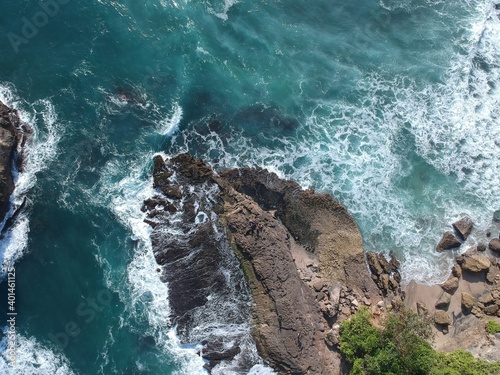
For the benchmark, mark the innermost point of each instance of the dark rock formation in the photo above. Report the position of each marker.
(448, 242)
(385, 273)
(463, 227)
(269, 224)
(9, 122)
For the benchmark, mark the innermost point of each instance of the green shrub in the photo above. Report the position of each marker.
(492, 327)
(461, 362)
(401, 347)
(358, 337)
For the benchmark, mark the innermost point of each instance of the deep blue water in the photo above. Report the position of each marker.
(392, 106)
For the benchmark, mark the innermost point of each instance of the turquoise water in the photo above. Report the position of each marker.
(392, 106)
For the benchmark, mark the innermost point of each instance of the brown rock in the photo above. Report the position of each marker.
(318, 285)
(443, 301)
(463, 227)
(442, 318)
(481, 247)
(373, 260)
(456, 271)
(494, 245)
(486, 298)
(450, 285)
(476, 263)
(467, 300)
(493, 275)
(172, 191)
(448, 242)
(491, 309)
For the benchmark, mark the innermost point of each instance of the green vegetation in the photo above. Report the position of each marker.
(401, 347)
(492, 327)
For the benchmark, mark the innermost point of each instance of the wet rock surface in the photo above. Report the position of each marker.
(300, 262)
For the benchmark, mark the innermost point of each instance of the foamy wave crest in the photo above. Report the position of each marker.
(46, 132)
(171, 123)
(32, 358)
(220, 10)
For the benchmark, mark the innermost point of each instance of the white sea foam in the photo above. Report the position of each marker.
(32, 358)
(170, 124)
(41, 117)
(357, 151)
(220, 10)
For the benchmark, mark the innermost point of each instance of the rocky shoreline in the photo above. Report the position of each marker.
(296, 265)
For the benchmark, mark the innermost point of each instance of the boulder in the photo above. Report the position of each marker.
(467, 300)
(491, 309)
(443, 301)
(481, 247)
(373, 260)
(448, 241)
(456, 271)
(332, 337)
(476, 263)
(450, 285)
(442, 318)
(493, 275)
(318, 285)
(494, 245)
(463, 227)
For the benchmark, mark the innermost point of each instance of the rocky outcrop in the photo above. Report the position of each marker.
(300, 253)
(385, 273)
(9, 123)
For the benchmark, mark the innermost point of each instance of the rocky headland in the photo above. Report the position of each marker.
(299, 254)
(243, 246)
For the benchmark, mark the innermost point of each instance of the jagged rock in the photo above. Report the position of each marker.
(476, 263)
(456, 271)
(332, 337)
(443, 301)
(172, 191)
(422, 310)
(467, 300)
(463, 227)
(494, 245)
(442, 318)
(373, 260)
(450, 285)
(448, 241)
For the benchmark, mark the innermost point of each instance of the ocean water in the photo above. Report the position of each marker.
(393, 106)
